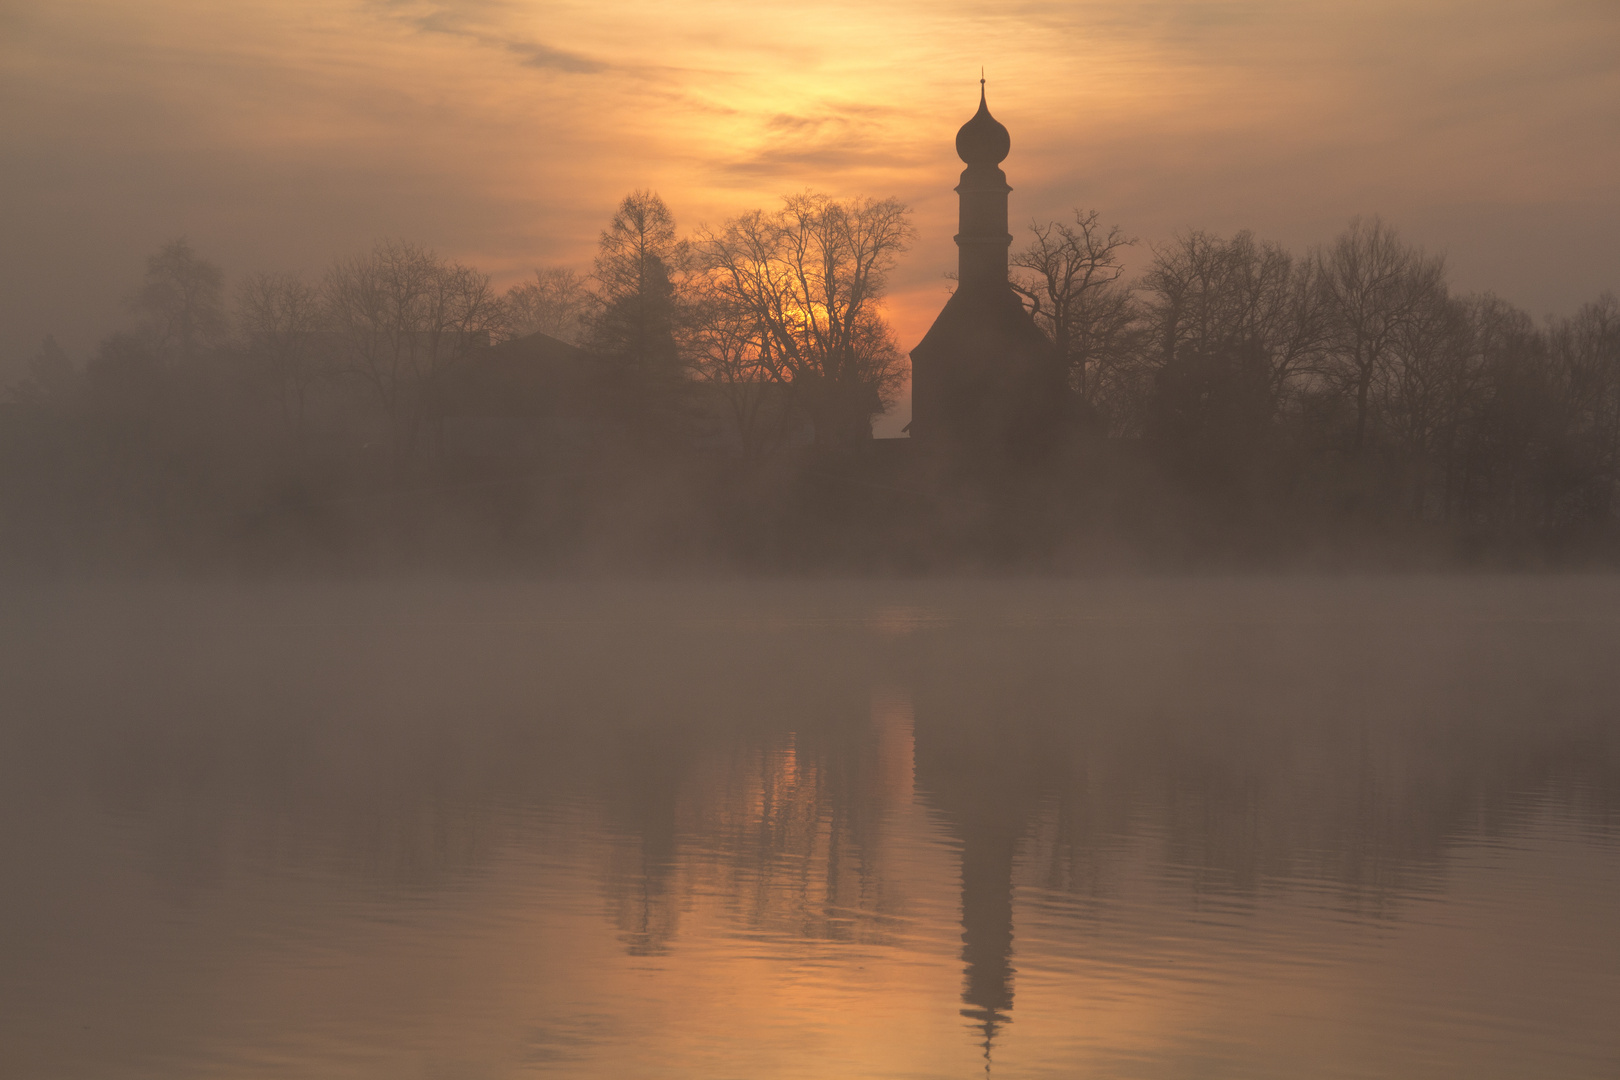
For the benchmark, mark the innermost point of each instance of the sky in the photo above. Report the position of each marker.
(282, 134)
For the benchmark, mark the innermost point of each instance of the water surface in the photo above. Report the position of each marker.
(1247, 828)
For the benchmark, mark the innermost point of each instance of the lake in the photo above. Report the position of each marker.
(1247, 827)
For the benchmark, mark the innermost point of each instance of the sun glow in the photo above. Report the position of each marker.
(280, 135)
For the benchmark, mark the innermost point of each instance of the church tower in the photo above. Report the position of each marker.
(988, 390)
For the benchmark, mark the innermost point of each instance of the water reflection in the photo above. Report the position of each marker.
(983, 773)
(1249, 829)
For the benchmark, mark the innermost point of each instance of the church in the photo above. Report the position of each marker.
(989, 392)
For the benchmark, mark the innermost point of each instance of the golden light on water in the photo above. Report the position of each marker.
(358, 832)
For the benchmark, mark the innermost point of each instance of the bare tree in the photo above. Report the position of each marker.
(1209, 295)
(280, 318)
(808, 279)
(728, 348)
(1432, 385)
(50, 378)
(1585, 352)
(1070, 278)
(180, 303)
(402, 316)
(1231, 326)
(1376, 288)
(557, 301)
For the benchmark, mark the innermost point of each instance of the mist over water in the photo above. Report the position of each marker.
(1151, 828)
(597, 543)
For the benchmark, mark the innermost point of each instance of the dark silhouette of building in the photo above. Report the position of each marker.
(988, 391)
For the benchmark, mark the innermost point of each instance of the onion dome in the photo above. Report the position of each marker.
(982, 140)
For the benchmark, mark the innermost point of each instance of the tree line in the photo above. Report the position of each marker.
(1231, 393)
(262, 405)
(1349, 385)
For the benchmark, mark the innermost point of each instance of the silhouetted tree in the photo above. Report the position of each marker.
(1070, 276)
(639, 264)
(50, 378)
(1431, 383)
(402, 315)
(181, 302)
(1210, 416)
(281, 318)
(808, 279)
(1377, 288)
(1585, 357)
(1232, 328)
(1518, 459)
(728, 348)
(1212, 295)
(556, 301)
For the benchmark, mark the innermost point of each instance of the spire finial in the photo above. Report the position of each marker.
(982, 140)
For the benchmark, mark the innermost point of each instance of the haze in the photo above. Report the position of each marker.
(580, 540)
(282, 135)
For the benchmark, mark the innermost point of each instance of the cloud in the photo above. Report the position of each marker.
(530, 53)
(774, 160)
(830, 140)
(536, 55)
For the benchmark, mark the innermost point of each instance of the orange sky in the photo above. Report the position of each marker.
(282, 133)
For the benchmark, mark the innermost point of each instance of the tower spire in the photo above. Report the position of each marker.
(982, 144)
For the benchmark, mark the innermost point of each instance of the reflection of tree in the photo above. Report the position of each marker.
(784, 826)
(795, 837)
(1232, 768)
(646, 778)
(785, 829)
(1247, 767)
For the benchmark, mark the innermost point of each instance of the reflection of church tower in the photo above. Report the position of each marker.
(987, 385)
(984, 776)
(987, 923)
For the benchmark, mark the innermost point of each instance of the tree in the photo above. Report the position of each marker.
(1212, 295)
(728, 348)
(1585, 355)
(1433, 385)
(402, 316)
(50, 379)
(281, 317)
(1210, 417)
(1376, 288)
(1231, 327)
(180, 303)
(556, 301)
(1070, 277)
(639, 269)
(808, 280)
(1515, 463)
